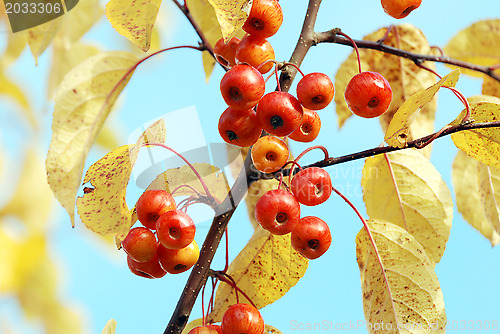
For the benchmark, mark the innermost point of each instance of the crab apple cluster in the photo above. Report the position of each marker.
(237, 319)
(263, 21)
(399, 8)
(278, 211)
(165, 243)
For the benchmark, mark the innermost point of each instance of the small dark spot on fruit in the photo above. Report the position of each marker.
(257, 24)
(281, 217)
(231, 135)
(306, 128)
(180, 266)
(373, 102)
(318, 99)
(313, 243)
(271, 156)
(276, 121)
(235, 93)
(407, 11)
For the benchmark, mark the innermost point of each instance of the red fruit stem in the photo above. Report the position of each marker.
(370, 236)
(185, 186)
(354, 45)
(277, 78)
(495, 67)
(435, 136)
(266, 62)
(203, 321)
(224, 277)
(455, 91)
(296, 67)
(207, 192)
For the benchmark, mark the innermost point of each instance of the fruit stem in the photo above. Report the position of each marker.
(455, 91)
(354, 45)
(226, 278)
(296, 67)
(370, 236)
(207, 192)
(185, 186)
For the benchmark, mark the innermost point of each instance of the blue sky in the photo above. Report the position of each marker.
(96, 277)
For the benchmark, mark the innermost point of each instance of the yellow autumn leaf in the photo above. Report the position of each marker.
(32, 199)
(491, 86)
(399, 127)
(468, 195)
(402, 291)
(110, 327)
(268, 329)
(12, 90)
(65, 57)
(192, 324)
(489, 189)
(134, 19)
(265, 270)
(82, 103)
(41, 36)
(15, 45)
(406, 189)
(231, 15)
(103, 209)
(79, 20)
(478, 44)
(481, 144)
(405, 77)
(204, 15)
(212, 176)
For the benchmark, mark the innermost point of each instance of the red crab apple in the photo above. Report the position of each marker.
(308, 129)
(400, 8)
(312, 186)
(242, 87)
(265, 18)
(239, 127)
(150, 269)
(277, 211)
(175, 261)
(175, 229)
(140, 244)
(311, 237)
(315, 91)
(204, 330)
(225, 52)
(368, 94)
(242, 318)
(255, 50)
(151, 205)
(279, 113)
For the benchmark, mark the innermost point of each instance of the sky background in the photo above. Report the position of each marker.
(95, 277)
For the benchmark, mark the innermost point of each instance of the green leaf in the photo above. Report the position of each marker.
(404, 188)
(399, 286)
(82, 104)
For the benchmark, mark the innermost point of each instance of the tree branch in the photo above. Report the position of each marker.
(331, 36)
(247, 176)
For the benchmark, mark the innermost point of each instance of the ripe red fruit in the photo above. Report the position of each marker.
(140, 244)
(308, 130)
(279, 113)
(225, 53)
(265, 18)
(277, 211)
(255, 50)
(242, 87)
(400, 8)
(204, 330)
(239, 127)
(315, 91)
(150, 269)
(242, 318)
(175, 229)
(151, 205)
(311, 186)
(175, 261)
(269, 153)
(311, 237)
(368, 94)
